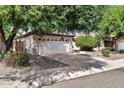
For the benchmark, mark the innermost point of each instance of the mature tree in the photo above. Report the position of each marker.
(42, 19)
(112, 22)
(12, 18)
(92, 16)
(83, 18)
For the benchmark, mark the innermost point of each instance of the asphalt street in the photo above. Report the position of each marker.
(109, 79)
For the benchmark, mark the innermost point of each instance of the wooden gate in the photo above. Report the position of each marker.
(19, 46)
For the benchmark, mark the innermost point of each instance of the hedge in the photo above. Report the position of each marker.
(87, 42)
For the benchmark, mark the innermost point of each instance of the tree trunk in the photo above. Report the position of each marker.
(2, 39)
(10, 39)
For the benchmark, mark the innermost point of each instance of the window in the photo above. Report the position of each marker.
(39, 39)
(62, 38)
(44, 39)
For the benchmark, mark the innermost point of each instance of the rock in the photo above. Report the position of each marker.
(35, 84)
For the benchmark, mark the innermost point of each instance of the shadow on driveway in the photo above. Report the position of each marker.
(66, 60)
(43, 62)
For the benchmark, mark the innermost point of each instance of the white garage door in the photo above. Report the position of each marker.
(54, 47)
(121, 45)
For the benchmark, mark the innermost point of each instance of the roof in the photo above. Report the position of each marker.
(121, 34)
(110, 38)
(52, 34)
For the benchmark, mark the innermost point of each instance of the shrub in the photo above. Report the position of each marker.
(106, 52)
(87, 42)
(2, 53)
(110, 48)
(16, 59)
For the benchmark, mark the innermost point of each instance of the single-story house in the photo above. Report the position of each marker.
(49, 43)
(109, 42)
(116, 42)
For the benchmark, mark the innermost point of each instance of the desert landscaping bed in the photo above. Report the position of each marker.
(48, 70)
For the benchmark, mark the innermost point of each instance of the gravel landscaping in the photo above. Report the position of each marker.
(47, 70)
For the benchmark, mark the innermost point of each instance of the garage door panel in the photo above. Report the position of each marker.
(120, 45)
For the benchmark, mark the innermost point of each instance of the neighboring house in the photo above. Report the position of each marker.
(116, 42)
(47, 44)
(109, 42)
(120, 42)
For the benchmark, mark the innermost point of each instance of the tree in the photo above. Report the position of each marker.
(92, 16)
(112, 22)
(83, 18)
(12, 18)
(43, 19)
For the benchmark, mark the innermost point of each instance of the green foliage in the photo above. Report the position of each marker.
(106, 52)
(86, 42)
(16, 59)
(47, 19)
(2, 54)
(13, 17)
(50, 18)
(110, 48)
(83, 18)
(112, 22)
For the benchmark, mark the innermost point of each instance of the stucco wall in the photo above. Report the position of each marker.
(117, 44)
(55, 38)
(52, 46)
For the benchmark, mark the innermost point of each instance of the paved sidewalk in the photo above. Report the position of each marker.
(112, 64)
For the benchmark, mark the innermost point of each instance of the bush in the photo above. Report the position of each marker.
(110, 48)
(16, 59)
(106, 52)
(2, 53)
(87, 42)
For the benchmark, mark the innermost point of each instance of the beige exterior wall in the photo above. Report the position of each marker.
(47, 44)
(54, 38)
(120, 40)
